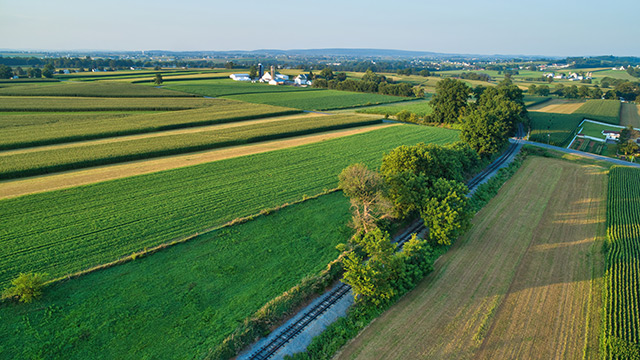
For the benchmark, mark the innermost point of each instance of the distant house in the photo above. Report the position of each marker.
(559, 76)
(240, 77)
(611, 135)
(302, 79)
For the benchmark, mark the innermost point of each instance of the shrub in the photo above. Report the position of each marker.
(26, 287)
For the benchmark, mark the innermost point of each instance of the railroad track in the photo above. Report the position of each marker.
(287, 334)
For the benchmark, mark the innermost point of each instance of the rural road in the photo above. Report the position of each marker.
(581, 153)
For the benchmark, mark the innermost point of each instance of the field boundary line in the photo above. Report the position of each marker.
(149, 251)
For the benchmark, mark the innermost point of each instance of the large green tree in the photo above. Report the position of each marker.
(446, 212)
(450, 101)
(366, 191)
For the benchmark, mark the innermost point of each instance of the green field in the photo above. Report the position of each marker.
(68, 158)
(93, 89)
(595, 130)
(622, 289)
(420, 108)
(23, 129)
(55, 103)
(181, 301)
(64, 231)
(601, 110)
(319, 99)
(560, 127)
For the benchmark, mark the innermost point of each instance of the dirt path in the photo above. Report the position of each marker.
(630, 115)
(557, 106)
(18, 187)
(189, 130)
(498, 284)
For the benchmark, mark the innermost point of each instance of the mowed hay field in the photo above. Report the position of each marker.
(518, 285)
(558, 106)
(630, 115)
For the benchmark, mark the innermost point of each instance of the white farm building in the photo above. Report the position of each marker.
(240, 77)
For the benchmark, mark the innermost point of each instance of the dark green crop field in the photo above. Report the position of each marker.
(557, 129)
(23, 129)
(64, 231)
(181, 301)
(66, 158)
(90, 89)
(602, 110)
(59, 103)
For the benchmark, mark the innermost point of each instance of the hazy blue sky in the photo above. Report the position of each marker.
(540, 27)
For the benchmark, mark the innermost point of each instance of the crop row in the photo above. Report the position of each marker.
(622, 289)
(64, 231)
(603, 110)
(66, 158)
(29, 129)
(54, 103)
(557, 129)
(94, 89)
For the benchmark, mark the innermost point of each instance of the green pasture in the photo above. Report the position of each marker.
(67, 158)
(182, 301)
(23, 129)
(595, 130)
(420, 108)
(92, 89)
(64, 231)
(601, 110)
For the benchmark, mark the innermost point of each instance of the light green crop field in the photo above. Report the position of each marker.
(616, 74)
(530, 100)
(64, 231)
(58, 103)
(76, 157)
(93, 89)
(420, 108)
(181, 301)
(602, 110)
(318, 100)
(23, 129)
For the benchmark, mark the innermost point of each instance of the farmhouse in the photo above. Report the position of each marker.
(302, 79)
(611, 135)
(240, 77)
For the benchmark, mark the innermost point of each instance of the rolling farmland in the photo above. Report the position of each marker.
(64, 231)
(90, 89)
(34, 129)
(318, 100)
(59, 103)
(181, 301)
(30, 163)
(522, 283)
(420, 108)
(622, 299)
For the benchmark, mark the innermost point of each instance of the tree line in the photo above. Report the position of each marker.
(369, 83)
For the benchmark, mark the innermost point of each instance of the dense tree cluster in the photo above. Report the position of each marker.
(450, 101)
(424, 180)
(370, 83)
(475, 76)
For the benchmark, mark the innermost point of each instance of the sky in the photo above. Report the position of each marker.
(511, 27)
